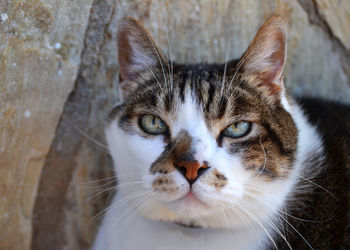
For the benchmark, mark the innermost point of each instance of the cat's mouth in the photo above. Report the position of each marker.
(191, 199)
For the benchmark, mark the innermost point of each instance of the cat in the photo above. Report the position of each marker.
(219, 156)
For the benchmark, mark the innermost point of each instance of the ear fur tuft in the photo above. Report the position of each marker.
(263, 62)
(138, 54)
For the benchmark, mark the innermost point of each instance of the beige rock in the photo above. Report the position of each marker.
(40, 44)
(51, 138)
(337, 15)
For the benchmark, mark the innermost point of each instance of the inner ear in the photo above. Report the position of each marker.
(263, 62)
(137, 55)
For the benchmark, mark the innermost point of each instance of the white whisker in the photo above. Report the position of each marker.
(86, 135)
(159, 58)
(265, 158)
(119, 202)
(225, 69)
(269, 221)
(260, 224)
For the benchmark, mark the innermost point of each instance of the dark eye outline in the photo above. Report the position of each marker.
(240, 136)
(144, 129)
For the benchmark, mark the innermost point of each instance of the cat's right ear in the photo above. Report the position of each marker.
(137, 55)
(263, 62)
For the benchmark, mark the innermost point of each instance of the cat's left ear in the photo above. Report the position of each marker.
(263, 62)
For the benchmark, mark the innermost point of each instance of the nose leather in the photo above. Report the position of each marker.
(192, 169)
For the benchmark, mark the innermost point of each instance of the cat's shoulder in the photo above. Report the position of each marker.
(332, 122)
(331, 118)
(329, 201)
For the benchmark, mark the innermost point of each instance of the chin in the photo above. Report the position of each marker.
(190, 207)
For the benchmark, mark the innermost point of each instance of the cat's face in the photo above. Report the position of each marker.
(203, 144)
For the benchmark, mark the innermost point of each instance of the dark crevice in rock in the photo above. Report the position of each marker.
(315, 17)
(49, 210)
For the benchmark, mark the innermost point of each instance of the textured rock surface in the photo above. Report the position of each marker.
(40, 45)
(58, 78)
(337, 16)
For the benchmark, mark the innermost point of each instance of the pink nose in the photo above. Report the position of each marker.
(191, 169)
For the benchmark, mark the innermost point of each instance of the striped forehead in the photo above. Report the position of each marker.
(198, 100)
(189, 117)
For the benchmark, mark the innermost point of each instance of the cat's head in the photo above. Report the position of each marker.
(203, 144)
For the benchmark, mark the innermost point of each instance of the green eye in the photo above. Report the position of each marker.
(237, 129)
(153, 125)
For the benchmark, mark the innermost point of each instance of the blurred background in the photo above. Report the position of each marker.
(59, 78)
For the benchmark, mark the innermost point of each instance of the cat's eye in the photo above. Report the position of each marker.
(237, 129)
(153, 125)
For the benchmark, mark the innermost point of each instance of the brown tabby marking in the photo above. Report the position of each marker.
(164, 184)
(264, 158)
(178, 148)
(215, 178)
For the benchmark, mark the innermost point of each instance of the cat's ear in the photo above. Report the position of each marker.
(263, 62)
(137, 53)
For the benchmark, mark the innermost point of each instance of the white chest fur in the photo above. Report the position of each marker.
(123, 229)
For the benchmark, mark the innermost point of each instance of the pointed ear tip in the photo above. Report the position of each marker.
(127, 23)
(127, 26)
(128, 20)
(277, 21)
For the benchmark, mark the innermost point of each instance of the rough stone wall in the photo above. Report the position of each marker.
(58, 79)
(40, 46)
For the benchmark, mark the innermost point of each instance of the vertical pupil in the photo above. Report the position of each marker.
(153, 120)
(236, 125)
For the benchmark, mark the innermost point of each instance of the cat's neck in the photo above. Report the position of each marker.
(309, 147)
